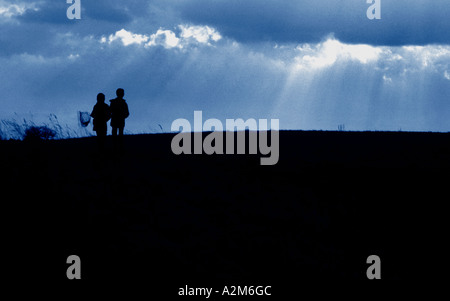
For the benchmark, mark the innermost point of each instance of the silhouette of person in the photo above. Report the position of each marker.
(101, 114)
(119, 112)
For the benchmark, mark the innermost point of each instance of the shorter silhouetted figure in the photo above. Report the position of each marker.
(101, 115)
(119, 112)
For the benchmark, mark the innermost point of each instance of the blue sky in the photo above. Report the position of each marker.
(311, 64)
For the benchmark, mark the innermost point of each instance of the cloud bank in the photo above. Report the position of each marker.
(413, 22)
(168, 39)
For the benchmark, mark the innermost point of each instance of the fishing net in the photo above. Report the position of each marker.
(84, 118)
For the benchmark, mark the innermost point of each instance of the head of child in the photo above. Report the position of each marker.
(100, 98)
(120, 93)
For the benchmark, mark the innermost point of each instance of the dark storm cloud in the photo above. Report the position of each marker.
(110, 11)
(404, 22)
(46, 12)
(415, 22)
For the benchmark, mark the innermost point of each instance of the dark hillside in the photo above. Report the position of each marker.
(333, 199)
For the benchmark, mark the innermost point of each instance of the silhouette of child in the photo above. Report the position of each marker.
(101, 114)
(119, 112)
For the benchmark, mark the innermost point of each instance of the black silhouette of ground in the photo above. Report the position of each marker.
(333, 199)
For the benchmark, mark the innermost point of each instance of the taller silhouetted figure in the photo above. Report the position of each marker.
(119, 112)
(101, 114)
